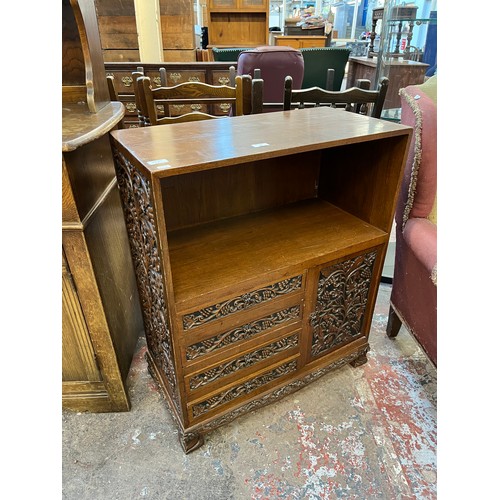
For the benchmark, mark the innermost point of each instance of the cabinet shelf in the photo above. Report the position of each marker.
(219, 255)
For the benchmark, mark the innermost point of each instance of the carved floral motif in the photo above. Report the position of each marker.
(242, 332)
(247, 387)
(279, 393)
(342, 296)
(248, 359)
(241, 303)
(135, 192)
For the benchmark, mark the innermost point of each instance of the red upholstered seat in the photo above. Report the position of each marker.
(275, 63)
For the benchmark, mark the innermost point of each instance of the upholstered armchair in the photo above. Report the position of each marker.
(414, 287)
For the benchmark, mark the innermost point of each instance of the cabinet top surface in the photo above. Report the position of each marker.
(79, 126)
(166, 150)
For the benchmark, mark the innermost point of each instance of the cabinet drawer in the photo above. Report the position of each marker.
(221, 343)
(220, 78)
(174, 77)
(131, 124)
(235, 393)
(241, 364)
(124, 83)
(130, 106)
(242, 302)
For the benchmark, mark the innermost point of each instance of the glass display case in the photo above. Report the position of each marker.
(407, 50)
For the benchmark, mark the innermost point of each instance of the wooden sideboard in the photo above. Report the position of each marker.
(258, 243)
(401, 73)
(215, 73)
(300, 42)
(101, 317)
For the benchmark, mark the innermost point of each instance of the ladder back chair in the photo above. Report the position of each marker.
(113, 94)
(201, 99)
(357, 99)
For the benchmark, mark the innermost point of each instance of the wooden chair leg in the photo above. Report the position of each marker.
(393, 323)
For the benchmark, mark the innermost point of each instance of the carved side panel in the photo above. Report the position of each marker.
(245, 301)
(135, 191)
(341, 302)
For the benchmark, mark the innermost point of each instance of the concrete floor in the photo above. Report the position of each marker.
(357, 433)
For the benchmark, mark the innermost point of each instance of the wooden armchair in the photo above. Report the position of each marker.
(203, 101)
(356, 99)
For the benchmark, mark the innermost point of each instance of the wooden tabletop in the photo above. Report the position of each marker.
(167, 150)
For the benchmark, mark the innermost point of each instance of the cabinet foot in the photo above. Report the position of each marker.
(360, 360)
(393, 323)
(190, 441)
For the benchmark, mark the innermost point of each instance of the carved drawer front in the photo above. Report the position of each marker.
(240, 303)
(237, 337)
(242, 364)
(229, 395)
(342, 296)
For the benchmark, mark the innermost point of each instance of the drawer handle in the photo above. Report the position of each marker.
(175, 77)
(127, 81)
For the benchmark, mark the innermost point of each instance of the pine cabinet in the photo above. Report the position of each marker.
(258, 243)
(237, 23)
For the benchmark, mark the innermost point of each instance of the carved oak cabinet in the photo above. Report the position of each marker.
(258, 243)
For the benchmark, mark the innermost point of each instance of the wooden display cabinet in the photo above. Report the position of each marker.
(237, 23)
(101, 317)
(258, 243)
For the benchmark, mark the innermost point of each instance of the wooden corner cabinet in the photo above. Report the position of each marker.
(101, 316)
(237, 23)
(258, 243)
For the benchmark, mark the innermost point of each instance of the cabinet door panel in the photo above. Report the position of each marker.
(78, 361)
(342, 298)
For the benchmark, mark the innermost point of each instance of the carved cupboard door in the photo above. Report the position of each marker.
(341, 302)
